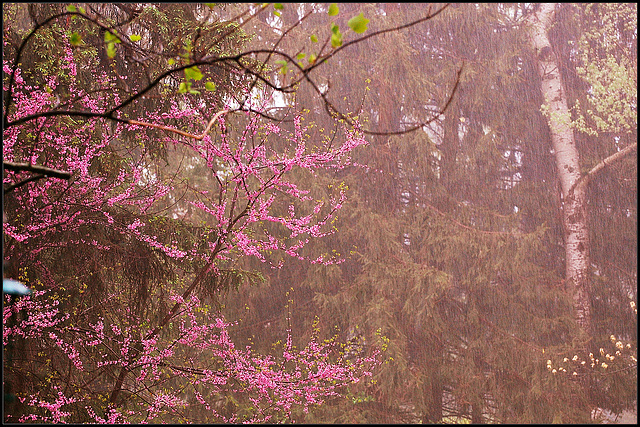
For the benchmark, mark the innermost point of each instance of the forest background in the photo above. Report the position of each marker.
(352, 213)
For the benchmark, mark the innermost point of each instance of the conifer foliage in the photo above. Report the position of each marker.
(454, 234)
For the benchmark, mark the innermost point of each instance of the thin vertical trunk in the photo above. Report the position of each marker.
(576, 232)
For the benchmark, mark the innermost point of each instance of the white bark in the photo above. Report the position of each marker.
(576, 232)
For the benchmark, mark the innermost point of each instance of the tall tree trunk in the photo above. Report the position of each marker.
(576, 231)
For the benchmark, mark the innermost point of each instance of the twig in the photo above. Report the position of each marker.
(178, 131)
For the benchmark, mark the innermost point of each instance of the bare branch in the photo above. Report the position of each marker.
(54, 173)
(584, 179)
(178, 131)
(41, 172)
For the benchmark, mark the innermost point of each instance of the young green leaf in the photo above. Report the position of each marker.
(72, 8)
(109, 37)
(184, 87)
(171, 61)
(210, 86)
(111, 50)
(336, 36)
(301, 56)
(333, 9)
(278, 14)
(283, 66)
(358, 23)
(336, 39)
(193, 73)
(278, 6)
(75, 38)
(313, 38)
(135, 37)
(312, 59)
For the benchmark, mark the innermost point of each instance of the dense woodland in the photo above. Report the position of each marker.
(320, 213)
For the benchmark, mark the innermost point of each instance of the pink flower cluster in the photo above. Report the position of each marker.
(270, 385)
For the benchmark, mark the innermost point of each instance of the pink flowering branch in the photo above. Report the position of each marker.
(255, 208)
(271, 385)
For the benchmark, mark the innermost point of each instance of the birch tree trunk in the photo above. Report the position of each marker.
(574, 213)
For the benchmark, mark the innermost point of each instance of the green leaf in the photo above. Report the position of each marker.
(210, 86)
(313, 38)
(301, 56)
(336, 36)
(135, 37)
(109, 37)
(72, 8)
(81, 9)
(283, 66)
(75, 38)
(312, 59)
(184, 87)
(171, 61)
(336, 40)
(193, 73)
(278, 6)
(210, 5)
(275, 12)
(358, 23)
(333, 9)
(111, 50)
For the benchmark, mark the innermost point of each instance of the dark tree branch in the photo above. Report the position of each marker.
(237, 59)
(41, 172)
(45, 171)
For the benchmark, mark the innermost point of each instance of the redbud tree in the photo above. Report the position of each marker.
(115, 329)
